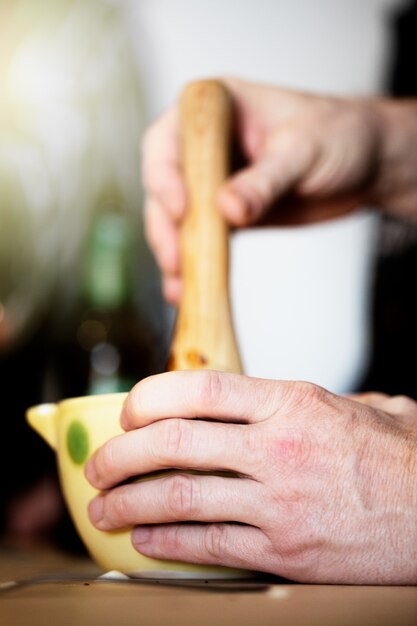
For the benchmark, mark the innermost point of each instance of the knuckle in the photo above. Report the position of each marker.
(179, 497)
(116, 508)
(403, 404)
(215, 540)
(210, 388)
(306, 395)
(104, 462)
(176, 440)
(172, 538)
(288, 138)
(300, 556)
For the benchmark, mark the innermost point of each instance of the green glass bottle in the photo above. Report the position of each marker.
(110, 333)
(104, 342)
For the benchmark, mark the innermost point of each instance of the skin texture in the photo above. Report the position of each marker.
(318, 488)
(306, 158)
(323, 487)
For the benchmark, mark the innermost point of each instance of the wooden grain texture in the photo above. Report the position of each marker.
(204, 337)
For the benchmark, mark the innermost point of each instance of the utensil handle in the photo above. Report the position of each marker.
(204, 335)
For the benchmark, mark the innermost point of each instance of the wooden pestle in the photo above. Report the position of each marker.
(204, 337)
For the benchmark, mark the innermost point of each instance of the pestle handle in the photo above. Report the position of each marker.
(204, 336)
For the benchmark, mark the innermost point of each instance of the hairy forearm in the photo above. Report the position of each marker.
(395, 183)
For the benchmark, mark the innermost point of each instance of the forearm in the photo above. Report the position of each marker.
(395, 182)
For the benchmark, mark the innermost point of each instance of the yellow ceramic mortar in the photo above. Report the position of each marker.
(75, 428)
(203, 339)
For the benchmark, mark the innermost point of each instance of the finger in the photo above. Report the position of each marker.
(398, 406)
(176, 443)
(230, 545)
(176, 498)
(384, 402)
(162, 237)
(202, 393)
(172, 289)
(373, 399)
(161, 164)
(248, 195)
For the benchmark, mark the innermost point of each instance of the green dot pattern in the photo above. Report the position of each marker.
(78, 442)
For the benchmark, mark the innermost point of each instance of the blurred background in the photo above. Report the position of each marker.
(80, 305)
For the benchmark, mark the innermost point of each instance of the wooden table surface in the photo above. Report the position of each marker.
(46, 588)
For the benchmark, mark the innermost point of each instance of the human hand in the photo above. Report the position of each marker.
(324, 488)
(323, 150)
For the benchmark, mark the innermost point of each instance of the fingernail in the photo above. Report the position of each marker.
(141, 535)
(96, 510)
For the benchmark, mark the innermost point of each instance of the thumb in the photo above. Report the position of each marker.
(245, 197)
